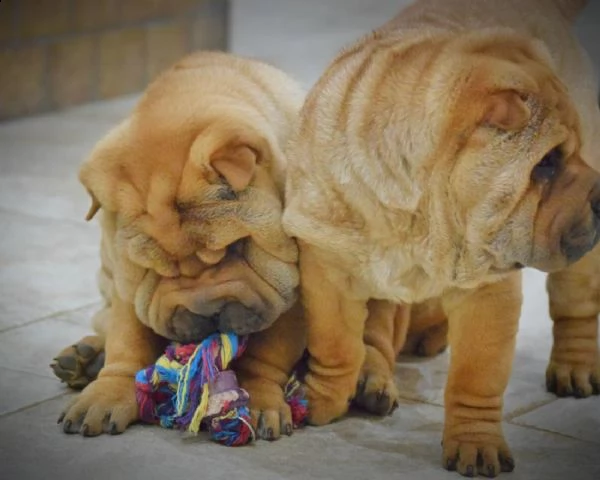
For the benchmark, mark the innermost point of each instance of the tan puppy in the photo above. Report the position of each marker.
(436, 157)
(190, 188)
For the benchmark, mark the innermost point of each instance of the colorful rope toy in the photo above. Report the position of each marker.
(190, 387)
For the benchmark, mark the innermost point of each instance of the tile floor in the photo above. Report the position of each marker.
(48, 255)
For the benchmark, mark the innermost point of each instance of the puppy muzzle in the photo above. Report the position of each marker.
(243, 295)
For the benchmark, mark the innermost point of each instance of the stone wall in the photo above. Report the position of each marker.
(59, 53)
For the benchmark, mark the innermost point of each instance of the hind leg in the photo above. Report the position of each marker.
(428, 332)
(574, 367)
(385, 331)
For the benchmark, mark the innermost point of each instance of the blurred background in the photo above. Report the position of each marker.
(56, 54)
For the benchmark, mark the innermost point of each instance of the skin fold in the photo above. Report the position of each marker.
(434, 158)
(190, 194)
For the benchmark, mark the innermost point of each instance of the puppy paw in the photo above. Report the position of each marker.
(377, 395)
(376, 391)
(328, 397)
(79, 364)
(483, 455)
(106, 405)
(271, 416)
(568, 380)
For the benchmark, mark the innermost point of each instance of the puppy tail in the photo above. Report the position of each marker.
(571, 8)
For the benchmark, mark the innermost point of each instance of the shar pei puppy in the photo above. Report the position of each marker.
(190, 190)
(435, 158)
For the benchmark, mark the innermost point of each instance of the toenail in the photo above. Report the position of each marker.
(270, 433)
(450, 465)
(579, 393)
(67, 426)
(61, 417)
(113, 428)
(470, 471)
(491, 470)
(288, 429)
(508, 464)
(85, 429)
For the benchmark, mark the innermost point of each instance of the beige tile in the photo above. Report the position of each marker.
(90, 15)
(30, 239)
(71, 65)
(122, 62)
(52, 161)
(165, 45)
(109, 112)
(50, 198)
(42, 341)
(22, 88)
(81, 316)
(20, 390)
(578, 418)
(44, 17)
(35, 289)
(348, 449)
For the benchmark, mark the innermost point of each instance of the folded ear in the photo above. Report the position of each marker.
(227, 149)
(101, 174)
(236, 164)
(94, 207)
(506, 110)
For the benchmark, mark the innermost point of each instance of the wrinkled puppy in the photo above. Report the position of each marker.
(435, 158)
(190, 189)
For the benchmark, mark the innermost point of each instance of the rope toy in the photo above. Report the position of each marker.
(190, 388)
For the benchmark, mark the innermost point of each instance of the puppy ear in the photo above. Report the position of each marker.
(236, 164)
(94, 207)
(101, 174)
(506, 110)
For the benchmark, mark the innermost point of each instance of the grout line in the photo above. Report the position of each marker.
(28, 372)
(32, 405)
(553, 432)
(47, 317)
(525, 410)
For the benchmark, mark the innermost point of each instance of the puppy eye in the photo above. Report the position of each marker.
(548, 165)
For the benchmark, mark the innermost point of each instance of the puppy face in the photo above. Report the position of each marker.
(519, 192)
(192, 217)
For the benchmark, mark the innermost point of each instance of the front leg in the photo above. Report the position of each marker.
(574, 367)
(335, 336)
(109, 404)
(265, 368)
(385, 333)
(483, 324)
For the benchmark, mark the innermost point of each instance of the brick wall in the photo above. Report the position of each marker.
(59, 53)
